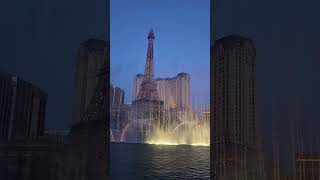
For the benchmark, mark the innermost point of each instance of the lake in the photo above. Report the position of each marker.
(147, 161)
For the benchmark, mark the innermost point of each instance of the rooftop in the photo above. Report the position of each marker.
(94, 43)
(233, 41)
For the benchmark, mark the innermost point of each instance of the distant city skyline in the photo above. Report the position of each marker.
(182, 42)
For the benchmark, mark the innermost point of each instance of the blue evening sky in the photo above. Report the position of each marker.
(182, 41)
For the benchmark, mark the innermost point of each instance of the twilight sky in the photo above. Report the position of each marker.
(182, 41)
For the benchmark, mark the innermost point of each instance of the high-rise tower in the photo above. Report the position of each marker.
(89, 136)
(22, 109)
(90, 59)
(233, 122)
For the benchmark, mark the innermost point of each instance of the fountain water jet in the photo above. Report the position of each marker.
(184, 129)
(111, 135)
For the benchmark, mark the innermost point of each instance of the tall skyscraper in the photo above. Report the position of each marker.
(233, 122)
(147, 106)
(22, 109)
(174, 92)
(90, 59)
(89, 149)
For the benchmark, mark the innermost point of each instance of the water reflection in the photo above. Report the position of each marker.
(145, 161)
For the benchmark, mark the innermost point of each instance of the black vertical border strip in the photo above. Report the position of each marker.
(108, 88)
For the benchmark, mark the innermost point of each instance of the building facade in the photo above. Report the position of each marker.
(307, 166)
(79, 153)
(116, 96)
(89, 137)
(174, 92)
(22, 109)
(90, 59)
(233, 126)
(120, 112)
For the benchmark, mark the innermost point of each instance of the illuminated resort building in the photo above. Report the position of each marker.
(174, 92)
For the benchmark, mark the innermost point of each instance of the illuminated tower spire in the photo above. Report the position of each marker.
(149, 70)
(148, 88)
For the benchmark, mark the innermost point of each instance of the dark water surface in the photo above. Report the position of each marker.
(144, 161)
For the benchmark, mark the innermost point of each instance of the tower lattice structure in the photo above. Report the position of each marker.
(148, 88)
(147, 107)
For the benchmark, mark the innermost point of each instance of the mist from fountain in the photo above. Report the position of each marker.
(177, 127)
(111, 136)
(188, 129)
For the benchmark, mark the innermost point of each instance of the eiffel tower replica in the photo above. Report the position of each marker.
(89, 139)
(147, 108)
